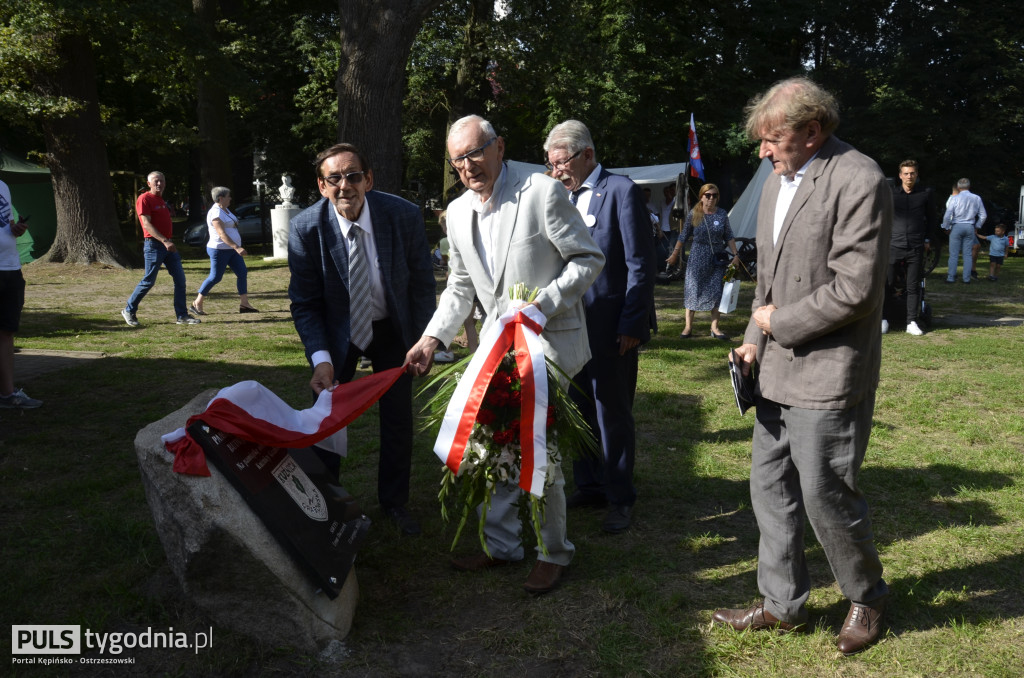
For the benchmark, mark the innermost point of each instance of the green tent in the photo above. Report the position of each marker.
(31, 194)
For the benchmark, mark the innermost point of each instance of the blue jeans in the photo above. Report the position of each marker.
(220, 260)
(155, 255)
(961, 241)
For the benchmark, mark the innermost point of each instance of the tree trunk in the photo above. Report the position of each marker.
(376, 38)
(472, 88)
(212, 106)
(87, 227)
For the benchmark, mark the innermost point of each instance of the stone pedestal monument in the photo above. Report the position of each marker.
(280, 217)
(227, 561)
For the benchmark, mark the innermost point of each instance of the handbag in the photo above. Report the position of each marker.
(721, 256)
(730, 296)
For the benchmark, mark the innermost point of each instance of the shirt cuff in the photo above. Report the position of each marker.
(321, 357)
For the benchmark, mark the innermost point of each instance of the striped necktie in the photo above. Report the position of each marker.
(360, 304)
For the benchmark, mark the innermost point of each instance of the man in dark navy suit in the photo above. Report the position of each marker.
(618, 307)
(362, 284)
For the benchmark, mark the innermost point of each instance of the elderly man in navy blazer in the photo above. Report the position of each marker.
(362, 285)
(618, 307)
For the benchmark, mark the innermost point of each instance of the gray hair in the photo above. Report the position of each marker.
(964, 184)
(792, 104)
(572, 135)
(149, 177)
(485, 127)
(219, 192)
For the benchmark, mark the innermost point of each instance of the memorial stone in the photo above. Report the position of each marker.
(228, 561)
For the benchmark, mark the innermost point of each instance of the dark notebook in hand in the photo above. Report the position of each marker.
(742, 387)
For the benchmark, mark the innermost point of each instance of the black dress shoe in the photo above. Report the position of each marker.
(862, 627)
(618, 519)
(405, 523)
(585, 499)
(755, 618)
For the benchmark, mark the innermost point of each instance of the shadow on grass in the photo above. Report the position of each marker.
(950, 597)
(909, 502)
(69, 488)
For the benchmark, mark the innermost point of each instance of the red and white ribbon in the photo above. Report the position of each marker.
(519, 329)
(253, 412)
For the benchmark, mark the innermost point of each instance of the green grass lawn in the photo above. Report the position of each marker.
(943, 475)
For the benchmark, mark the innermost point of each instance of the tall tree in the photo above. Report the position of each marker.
(212, 102)
(376, 38)
(48, 59)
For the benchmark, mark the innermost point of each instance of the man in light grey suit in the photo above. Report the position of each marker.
(513, 228)
(823, 232)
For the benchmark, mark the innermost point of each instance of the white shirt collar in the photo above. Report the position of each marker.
(591, 179)
(585, 194)
(492, 203)
(795, 181)
(364, 222)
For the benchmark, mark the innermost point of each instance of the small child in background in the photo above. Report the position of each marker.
(997, 245)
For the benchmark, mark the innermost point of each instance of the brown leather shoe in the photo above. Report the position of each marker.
(755, 618)
(544, 577)
(477, 561)
(862, 627)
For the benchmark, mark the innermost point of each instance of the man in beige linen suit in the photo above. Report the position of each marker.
(509, 228)
(823, 232)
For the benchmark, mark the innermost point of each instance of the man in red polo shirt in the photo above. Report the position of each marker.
(155, 217)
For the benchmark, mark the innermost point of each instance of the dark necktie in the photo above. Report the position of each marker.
(575, 197)
(360, 303)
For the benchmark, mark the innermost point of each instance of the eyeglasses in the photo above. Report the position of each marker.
(710, 196)
(476, 155)
(353, 178)
(562, 163)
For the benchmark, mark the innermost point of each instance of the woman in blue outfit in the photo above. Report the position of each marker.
(225, 250)
(709, 227)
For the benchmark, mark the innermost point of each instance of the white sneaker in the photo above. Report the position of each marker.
(129, 318)
(885, 326)
(912, 328)
(444, 357)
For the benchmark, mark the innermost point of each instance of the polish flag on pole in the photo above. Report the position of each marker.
(696, 166)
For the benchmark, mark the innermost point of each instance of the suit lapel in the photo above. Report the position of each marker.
(767, 252)
(334, 247)
(383, 237)
(597, 199)
(807, 187)
(509, 209)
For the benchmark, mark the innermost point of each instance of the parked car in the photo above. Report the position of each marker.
(250, 227)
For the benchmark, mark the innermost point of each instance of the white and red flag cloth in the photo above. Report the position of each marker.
(696, 164)
(517, 328)
(253, 412)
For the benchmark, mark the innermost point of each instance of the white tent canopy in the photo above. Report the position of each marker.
(652, 174)
(742, 216)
